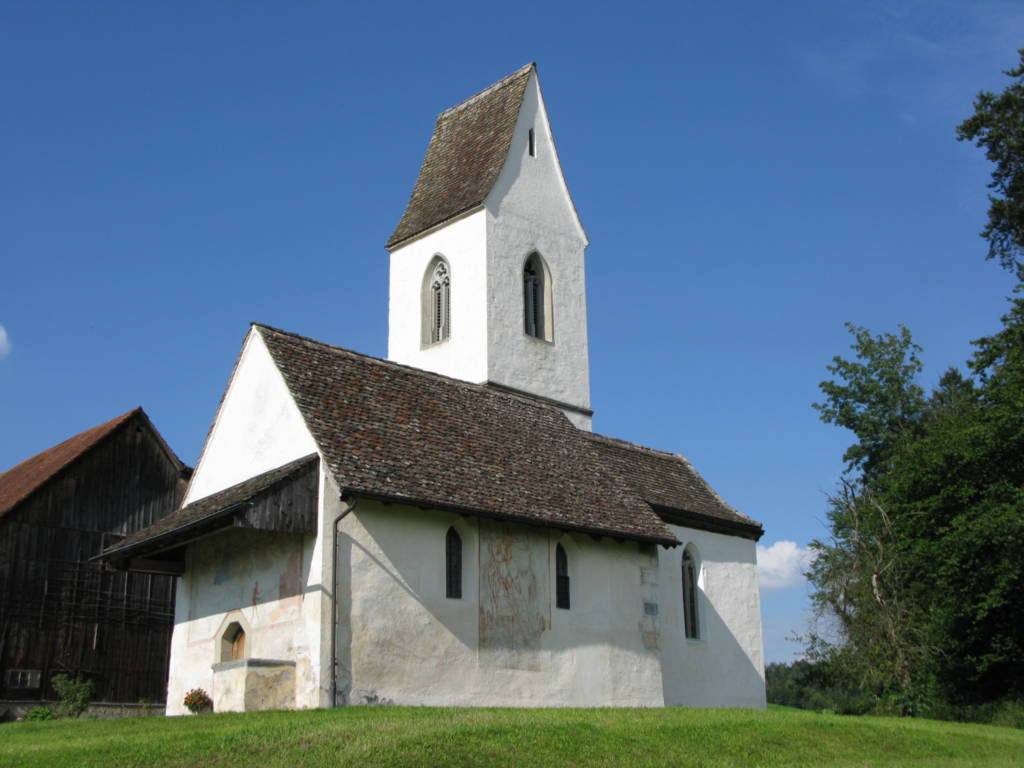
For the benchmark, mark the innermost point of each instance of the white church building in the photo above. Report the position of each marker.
(443, 527)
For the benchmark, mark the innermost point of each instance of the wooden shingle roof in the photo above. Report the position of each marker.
(465, 156)
(207, 513)
(401, 434)
(670, 484)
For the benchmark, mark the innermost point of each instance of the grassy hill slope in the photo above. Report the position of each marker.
(397, 736)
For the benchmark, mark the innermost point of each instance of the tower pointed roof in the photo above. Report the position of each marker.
(465, 156)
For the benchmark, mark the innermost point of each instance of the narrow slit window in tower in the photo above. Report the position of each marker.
(533, 297)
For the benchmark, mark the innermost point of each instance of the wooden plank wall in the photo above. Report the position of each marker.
(59, 612)
(289, 506)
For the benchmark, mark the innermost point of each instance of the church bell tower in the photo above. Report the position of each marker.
(487, 276)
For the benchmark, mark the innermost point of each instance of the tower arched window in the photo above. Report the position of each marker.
(437, 300)
(453, 564)
(536, 298)
(561, 578)
(691, 619)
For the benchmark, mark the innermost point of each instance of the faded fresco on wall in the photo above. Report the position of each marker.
(514, 596)
(247, 570)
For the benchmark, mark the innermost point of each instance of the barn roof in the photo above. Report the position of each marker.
(22, 480)
(465, 156)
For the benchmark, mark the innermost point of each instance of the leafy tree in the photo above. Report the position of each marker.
(954, 390)
(997, 125)
(965, 479)
(862, 581)
(923, 571)
(876, 398)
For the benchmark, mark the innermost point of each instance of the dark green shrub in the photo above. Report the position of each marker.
(74, 694)
(1009, 713)
(39, 713)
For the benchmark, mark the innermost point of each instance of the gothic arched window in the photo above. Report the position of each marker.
(437, 301)
(561, 578)
(453, 564)
(536, 298)
(691, 620)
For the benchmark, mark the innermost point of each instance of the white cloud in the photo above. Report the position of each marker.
(5, 343)
(782, 564)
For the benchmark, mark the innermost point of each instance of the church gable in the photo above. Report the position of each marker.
(530, 193)
(257, 427)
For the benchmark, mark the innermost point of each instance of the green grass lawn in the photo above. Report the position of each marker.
(399, 736)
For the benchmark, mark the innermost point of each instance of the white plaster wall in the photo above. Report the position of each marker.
(259, 579)
(530, 210)
(402, 641)
(319, 614)
(277, 586)
(257, 428)
(725, 667)
(464, 354)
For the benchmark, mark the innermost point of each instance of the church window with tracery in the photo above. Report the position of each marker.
(437, 299)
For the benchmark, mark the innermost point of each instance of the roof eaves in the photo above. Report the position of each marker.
(394, 245)
(700, 521)
(224, 502)
(667, 541)
(152, 544)
(677, 457)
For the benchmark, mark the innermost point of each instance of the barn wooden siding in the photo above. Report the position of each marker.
(61, 613)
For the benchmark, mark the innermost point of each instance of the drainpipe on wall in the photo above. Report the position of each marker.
(334, 601)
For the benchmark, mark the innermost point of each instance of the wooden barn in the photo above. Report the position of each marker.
(59, 610)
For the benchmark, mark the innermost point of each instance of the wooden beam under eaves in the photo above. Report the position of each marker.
(147, 565)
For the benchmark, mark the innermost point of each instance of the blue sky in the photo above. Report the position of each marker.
(751, 176)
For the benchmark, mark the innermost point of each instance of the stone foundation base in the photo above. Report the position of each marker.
(250, 685)
(100, 710)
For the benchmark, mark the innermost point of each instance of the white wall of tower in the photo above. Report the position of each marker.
(464, 355)
(530, 210)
